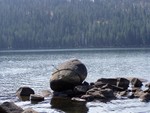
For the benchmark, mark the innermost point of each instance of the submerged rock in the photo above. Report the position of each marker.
(10, 107)
(68, 75)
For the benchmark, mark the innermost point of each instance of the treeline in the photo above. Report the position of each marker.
(34, 24)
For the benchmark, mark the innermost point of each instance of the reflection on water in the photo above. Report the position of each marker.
(68, 106)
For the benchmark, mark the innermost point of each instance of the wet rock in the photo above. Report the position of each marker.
(24, 92)
(145, 97)
(87, 97)
(68, 75)
(36, 98)
(136, 82)
(111, 81)
(10, 107)
(29, 110)
(123, 83)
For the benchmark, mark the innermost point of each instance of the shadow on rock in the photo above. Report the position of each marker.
(67, 105)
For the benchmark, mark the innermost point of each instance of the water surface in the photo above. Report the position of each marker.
(33, 68)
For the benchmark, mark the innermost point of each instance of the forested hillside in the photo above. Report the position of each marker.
(34, 24)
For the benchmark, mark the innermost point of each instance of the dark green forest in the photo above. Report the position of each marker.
(38, 24)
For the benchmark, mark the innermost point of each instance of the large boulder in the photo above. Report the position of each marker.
(68, 75)
(10, 107)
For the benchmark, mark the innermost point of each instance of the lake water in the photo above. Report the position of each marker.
(33, 68)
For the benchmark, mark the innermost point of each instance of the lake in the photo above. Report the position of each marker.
(33, 68)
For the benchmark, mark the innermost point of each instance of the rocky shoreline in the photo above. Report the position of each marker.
(68, 81)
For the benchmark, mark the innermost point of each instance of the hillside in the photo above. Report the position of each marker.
(34, 24)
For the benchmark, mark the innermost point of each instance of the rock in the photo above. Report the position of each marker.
(66, 105)
(24, 92)
(46, 93)
(98, 93)
(99, 84)
(81, 89)
(87, 97)
(136, 82)
(66, 93)
(137, 92)
(111, 81)
(29, 110)
(10, 107)
(85, 83)
(131, 96)
(145, 97)
(147, 91)
(92, 90)
(107, 93)
(123, 83)
(78, 99)
(36, 98)
(141, 79)
(92, 84)
(68, 75)
(147, 85)
(113, 87)
(123, 93)
(24, 98)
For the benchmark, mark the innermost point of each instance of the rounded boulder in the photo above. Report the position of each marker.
(68, 75)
